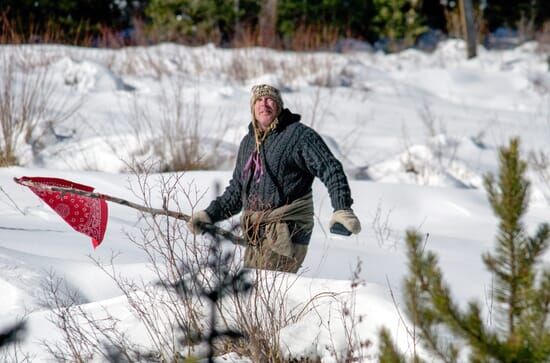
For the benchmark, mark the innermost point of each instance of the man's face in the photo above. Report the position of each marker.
(265, 111)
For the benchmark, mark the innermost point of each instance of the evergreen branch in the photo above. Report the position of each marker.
(537, 244)
(388, 352)
(540, 331)
(419, 305)
(468, 325)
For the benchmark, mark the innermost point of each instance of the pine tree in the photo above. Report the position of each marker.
(199, 20)
(399, 22)
(522, 293)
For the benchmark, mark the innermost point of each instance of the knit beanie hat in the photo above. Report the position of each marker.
(265, 90)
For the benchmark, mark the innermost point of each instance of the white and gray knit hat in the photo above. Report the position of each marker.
(265, 90)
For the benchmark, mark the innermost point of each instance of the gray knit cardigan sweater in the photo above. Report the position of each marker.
(292, 155)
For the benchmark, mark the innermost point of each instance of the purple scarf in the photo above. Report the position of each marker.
(254, 164)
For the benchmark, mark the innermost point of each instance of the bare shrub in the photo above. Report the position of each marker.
(146, 61)
(355, 349)
(407, 161)
(380, 225)
(14, 31)
(386, 344)
(169, 246)
(440, 146)
(479, 139)
(239, 69)
(430, 121)
(543, 40)
(238, 65)
(526, 27)
(85, 335)
(14, 353)
(246, 36)
(29, 105)
(172, 132)
(305, 38)
(62, 302)
(318, 115)
(246, 64)
(434, 127)
(173, 312)
(224, 280)
(539, 162)
(262, 314)
(159, 313)
(265, 312)
(154, 61)
(316, 108)
(323, 70)
(313, 37)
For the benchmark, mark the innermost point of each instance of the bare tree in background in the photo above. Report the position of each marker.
(268, 23)
(467, 15)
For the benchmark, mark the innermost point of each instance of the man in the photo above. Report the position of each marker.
(276, 164)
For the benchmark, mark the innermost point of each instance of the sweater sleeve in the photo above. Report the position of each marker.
(314, 154)
(230, 202)
(227, 204)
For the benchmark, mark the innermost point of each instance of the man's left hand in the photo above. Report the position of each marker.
(348, 219)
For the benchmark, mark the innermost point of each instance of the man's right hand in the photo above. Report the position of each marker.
(197, 219)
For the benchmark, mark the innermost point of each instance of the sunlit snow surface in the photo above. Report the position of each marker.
(415, 132)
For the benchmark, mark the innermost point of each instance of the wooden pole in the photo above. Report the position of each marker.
(210, 228)
(467, 16)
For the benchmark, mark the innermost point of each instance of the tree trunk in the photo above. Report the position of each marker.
(268, 23)
(236, 8)
(467, 15)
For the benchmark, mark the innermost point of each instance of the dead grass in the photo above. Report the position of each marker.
(245, 65)
(313, 37)
(30, 104)
(172, 132)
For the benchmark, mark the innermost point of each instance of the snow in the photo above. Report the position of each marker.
(415, 132)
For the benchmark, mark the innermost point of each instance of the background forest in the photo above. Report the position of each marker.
(284, 24)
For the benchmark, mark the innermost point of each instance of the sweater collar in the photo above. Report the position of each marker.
(285, 118)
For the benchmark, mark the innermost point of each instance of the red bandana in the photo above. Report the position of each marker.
(86, 215)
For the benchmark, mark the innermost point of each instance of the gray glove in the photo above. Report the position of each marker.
(348, 219)
(196, 219)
